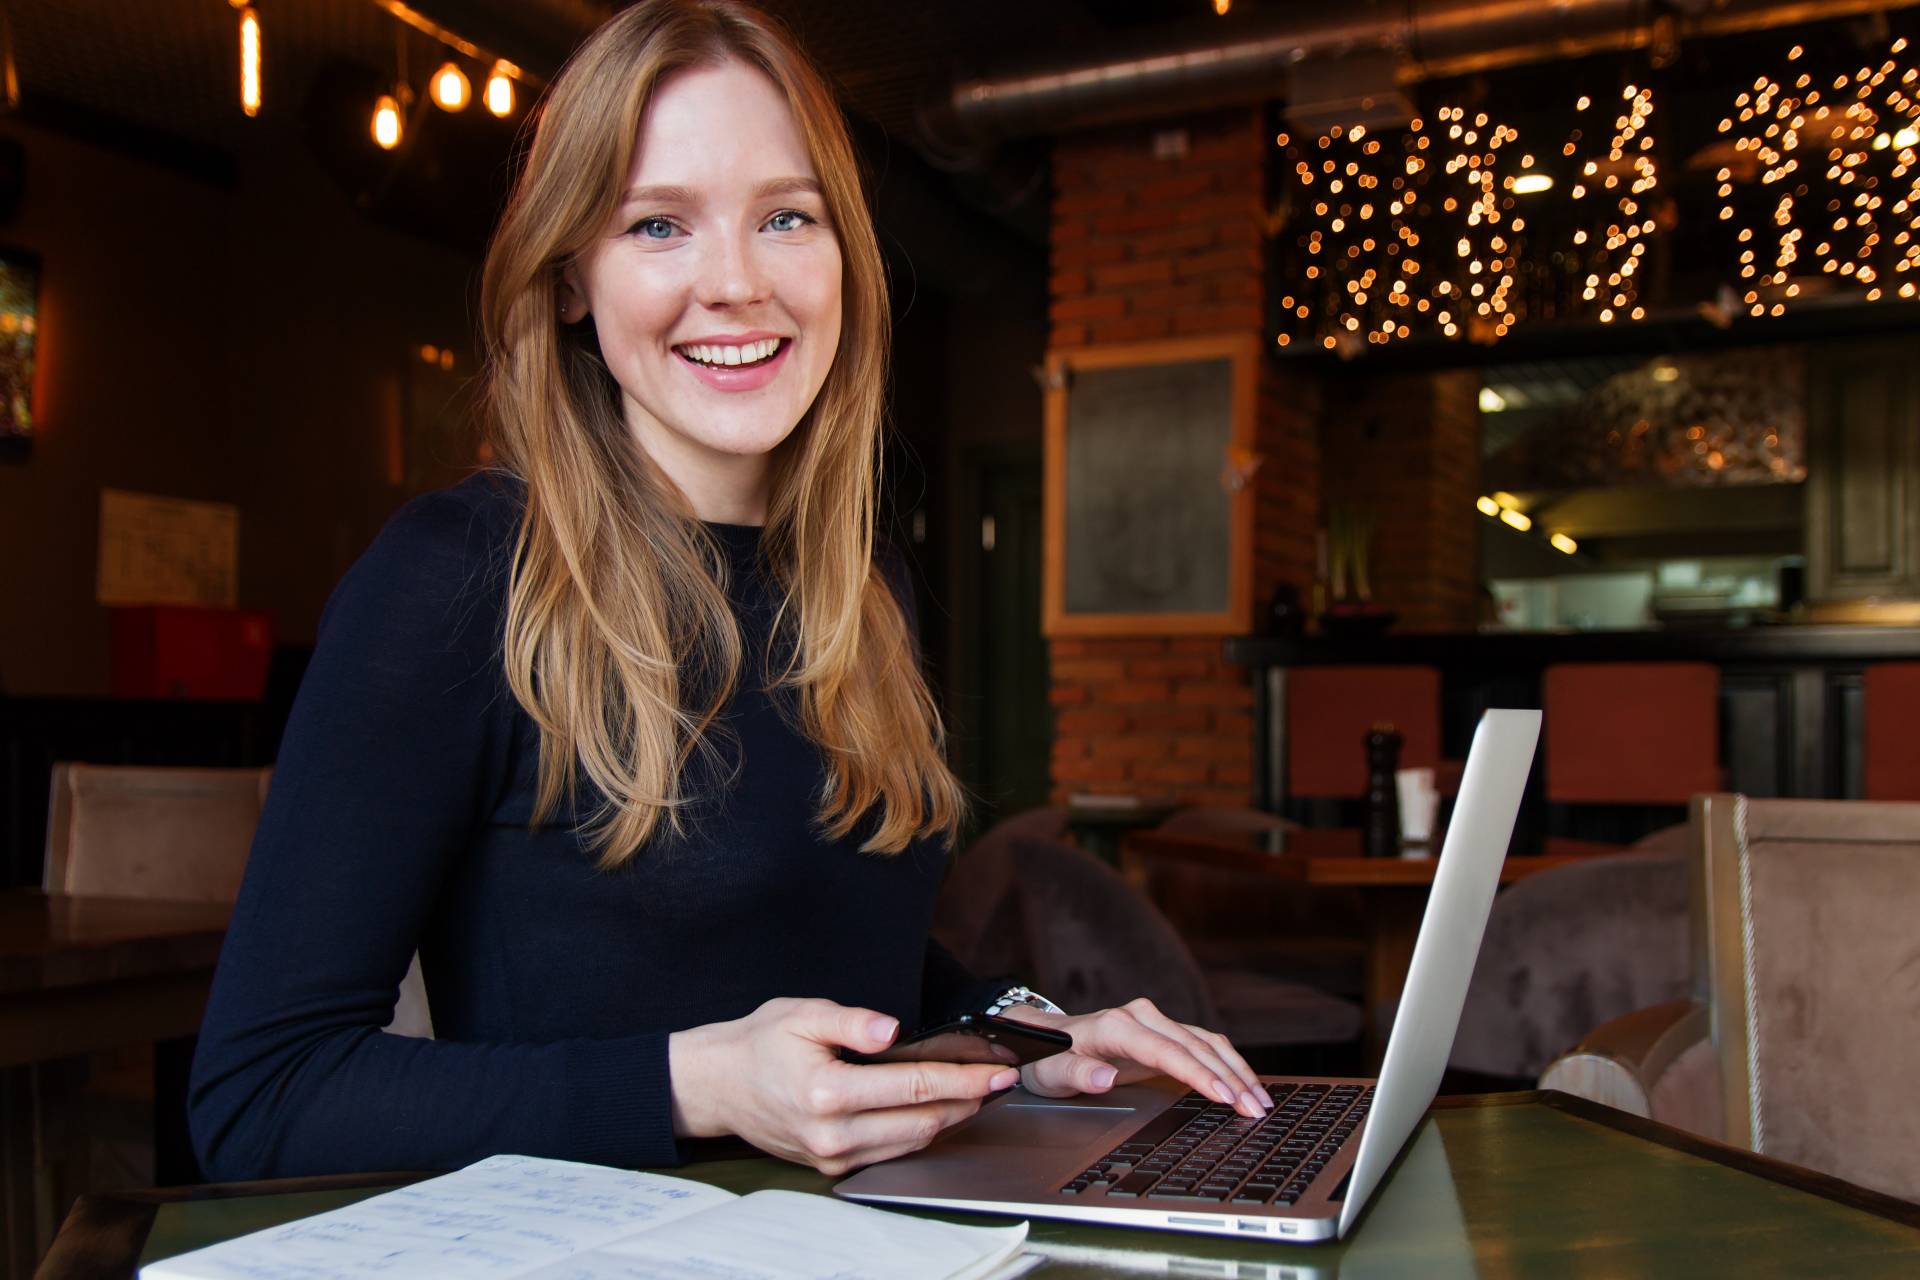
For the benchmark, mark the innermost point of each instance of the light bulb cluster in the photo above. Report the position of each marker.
(1505, 508)
(1428, 229)
(1401, 233)
(1822, 188)
(450, 90)
(1615, 183)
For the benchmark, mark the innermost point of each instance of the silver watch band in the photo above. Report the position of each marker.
(1022, 995)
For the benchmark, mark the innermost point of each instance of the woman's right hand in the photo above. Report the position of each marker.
(774, 1078)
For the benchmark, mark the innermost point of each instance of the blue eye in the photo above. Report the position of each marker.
(799, 219)
(653, 228)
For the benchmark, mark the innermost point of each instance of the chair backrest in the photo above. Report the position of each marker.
(178, 834)
(1804, 928)
(1892, 764)
(1097, 942)
(977, 916)
(1631, 732)
(1329, 711)
(1200, 819)
(134, 832)
(1569, 948)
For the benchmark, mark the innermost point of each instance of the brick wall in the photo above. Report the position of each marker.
(1407, 450)
(1148, 248)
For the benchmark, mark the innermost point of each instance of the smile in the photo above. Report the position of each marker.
(746, 367)
(750, 353)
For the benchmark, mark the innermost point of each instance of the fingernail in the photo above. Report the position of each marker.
(1003, 1080)
(1103, 1077)
(883, 1029)
(1246, 1100)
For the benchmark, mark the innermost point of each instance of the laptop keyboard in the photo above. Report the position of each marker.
(1202, 1150)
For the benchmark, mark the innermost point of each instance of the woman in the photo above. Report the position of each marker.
(627, 738)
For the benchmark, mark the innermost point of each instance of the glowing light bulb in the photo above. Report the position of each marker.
(1487, 506)
(1516, 519)
(1561, 542)
(386, 122)
(451, 89)
(249, 61)
(1532, 183)
(500, 91)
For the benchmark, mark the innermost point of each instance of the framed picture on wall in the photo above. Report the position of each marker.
(19, 329)
(1149, 508)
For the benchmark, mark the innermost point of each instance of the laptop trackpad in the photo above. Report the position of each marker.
(1039, 1126)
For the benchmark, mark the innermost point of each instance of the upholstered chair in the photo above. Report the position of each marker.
(1095, 941)
(977, 916)
(1241, 921)
(1801, 1039)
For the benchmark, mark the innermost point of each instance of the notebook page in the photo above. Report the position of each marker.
(504, 1216)
(790, 1235)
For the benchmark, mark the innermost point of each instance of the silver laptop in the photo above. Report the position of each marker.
(1158, 1155)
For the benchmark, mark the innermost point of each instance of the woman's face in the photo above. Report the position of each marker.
(716, 291)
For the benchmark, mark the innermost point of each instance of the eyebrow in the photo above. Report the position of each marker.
(667, 194)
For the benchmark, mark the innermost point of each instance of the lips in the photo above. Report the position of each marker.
(741, 377)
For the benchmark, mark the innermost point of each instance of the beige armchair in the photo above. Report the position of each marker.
(1803, 1035)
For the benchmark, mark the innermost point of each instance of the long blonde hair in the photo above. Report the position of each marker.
(619, 640)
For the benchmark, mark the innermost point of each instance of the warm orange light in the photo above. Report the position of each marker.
(386, 122)
(451, 88)
(500, 91)
(249, 61)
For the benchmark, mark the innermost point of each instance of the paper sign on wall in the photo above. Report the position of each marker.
(156, 550)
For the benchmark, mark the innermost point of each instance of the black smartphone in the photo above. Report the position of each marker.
(972, 1037)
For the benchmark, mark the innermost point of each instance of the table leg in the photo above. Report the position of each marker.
(1393, 927)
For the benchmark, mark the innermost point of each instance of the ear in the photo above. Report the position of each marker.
(572, 297)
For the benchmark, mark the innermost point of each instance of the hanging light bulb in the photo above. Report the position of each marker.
(249, 60)
(451, 89)
(1221, 6)
(500, 91)
(386, 122)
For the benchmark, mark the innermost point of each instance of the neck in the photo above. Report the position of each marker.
(722, 488)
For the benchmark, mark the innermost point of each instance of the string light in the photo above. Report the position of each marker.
(499, 95)
(386, 122)
(451, 88)
(1613, 194)
(1831, 178)
(1406, 232)
(249, 60)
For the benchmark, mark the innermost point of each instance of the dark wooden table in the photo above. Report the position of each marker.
(1524, 1184)
(78, 976)
(1394, 890)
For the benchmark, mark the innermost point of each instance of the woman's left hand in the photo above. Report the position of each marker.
(1136, 1040)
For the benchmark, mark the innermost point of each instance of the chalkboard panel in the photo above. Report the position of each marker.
(1146, 533)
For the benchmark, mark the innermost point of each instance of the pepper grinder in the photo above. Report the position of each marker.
(1383, 794)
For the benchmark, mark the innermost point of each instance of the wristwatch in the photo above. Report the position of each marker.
(1022, 995)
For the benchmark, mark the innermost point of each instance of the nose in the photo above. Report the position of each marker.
(732, 274)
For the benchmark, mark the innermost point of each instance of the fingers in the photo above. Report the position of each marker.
(837, 1025)
(1065, 1074)
(1138, 1032)
(1210, 1048)
(842, 1087)
(869, 1137)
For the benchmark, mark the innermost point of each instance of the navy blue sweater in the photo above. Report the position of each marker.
(399, 820)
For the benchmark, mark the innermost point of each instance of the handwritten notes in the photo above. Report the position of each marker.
(505, 1216)
(517, 1216)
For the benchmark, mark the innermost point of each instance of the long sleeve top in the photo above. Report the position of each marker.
(399, 819)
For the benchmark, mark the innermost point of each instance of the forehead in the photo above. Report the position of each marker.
(718, 126)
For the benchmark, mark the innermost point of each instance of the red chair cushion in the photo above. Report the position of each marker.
(1893, 718)
(1331, 709)
(1631, 732)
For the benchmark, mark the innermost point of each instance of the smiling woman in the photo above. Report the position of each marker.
(628, 737)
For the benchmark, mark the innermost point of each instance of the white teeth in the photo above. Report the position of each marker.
(751, 353)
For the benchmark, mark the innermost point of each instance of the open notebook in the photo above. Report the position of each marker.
(525, 1217)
